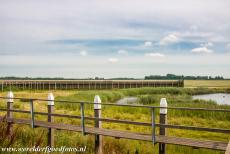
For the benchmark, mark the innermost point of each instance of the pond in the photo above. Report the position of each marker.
(128, 100)
(219, 98)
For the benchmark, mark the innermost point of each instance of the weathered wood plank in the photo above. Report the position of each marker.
(218, 130)
(216, 145)
(124, 105)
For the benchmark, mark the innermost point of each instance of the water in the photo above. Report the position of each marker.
(219, 98)
(127, 100)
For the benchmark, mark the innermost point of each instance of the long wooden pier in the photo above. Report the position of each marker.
(215, 145)
(97, 130)
(87, 84)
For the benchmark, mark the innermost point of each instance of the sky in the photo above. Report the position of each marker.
(114, 38)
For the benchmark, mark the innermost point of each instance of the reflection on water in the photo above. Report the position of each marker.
(127, 100)
(219, 98)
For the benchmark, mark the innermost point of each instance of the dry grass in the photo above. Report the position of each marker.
(207, 83)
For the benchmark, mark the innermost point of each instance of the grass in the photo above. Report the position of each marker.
(147, 96)
(21, 136)
(207, 83)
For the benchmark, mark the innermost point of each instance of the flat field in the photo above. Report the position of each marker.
(207, 83)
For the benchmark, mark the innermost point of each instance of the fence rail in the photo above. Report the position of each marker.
(97, 130)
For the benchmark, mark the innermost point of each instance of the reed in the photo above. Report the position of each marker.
(147, 96)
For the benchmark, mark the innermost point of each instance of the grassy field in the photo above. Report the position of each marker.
(28, 137)
(207, 83)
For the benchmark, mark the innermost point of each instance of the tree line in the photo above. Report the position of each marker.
(150, 77)
(182, 77)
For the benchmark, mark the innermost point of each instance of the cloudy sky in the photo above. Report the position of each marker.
(114, 38)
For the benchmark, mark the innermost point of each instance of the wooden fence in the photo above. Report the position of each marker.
(87, 84)
(162, 139)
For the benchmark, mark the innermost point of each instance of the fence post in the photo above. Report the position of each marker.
(98, 124)
(10, 102)
(163, 120)
(82, 118)
(50, 108)
(2, 86)
(32, 112)
(153, 126)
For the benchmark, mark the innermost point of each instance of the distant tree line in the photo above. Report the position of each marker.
(29, 78)
(150, 77)
(61, 78)
(46, 78)
(123, 79)
(182, 77)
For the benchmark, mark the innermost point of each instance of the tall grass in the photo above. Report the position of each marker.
(180, 97)
(20, 136)
(186, 101)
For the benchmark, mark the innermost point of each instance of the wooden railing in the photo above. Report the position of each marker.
(162, 138)
(86, 84)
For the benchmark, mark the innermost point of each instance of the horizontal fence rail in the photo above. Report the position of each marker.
(122, 105)
(86, 84)
(126, 121)
(162, 140)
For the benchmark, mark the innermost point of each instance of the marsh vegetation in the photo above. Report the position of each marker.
(177, 97)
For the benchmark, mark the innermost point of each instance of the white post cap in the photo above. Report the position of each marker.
(163, 103)
(97, 100)
(10, 97)
(50, 99)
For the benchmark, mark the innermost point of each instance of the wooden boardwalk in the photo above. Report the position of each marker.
(162, 139)
(216, 145)
(87, 84)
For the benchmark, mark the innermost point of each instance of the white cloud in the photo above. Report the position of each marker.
(169, 39)
(38, 21)
(153, 54)
(201, 50)
(148, 44)
(207, 44)
(228, 46)
(131, 66)
(193, 27)
(122, 52)
(83, 53)
(113, 60)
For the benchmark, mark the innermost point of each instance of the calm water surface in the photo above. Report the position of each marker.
(127, 100)
(219, 98)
